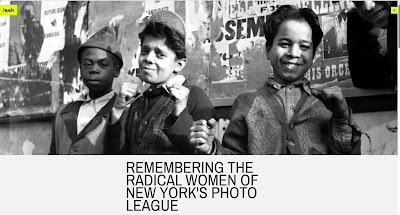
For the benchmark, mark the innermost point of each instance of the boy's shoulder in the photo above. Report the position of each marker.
(196, 91)
(69, 107)
(194, 88)
(247, 97)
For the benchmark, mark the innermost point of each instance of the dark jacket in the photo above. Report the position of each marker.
(151, 129)
(90, 140)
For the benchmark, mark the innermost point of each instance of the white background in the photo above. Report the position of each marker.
(286, 185)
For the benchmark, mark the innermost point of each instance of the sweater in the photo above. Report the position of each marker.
(258, 125)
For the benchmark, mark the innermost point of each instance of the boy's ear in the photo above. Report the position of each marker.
(268, 49)
(180, 64)
(117, 71)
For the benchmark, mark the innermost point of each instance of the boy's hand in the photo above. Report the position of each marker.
(126, 94)
(180, 95)
(203, 134)
(333, 99)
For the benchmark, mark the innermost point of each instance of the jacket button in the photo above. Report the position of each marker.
(144, 122)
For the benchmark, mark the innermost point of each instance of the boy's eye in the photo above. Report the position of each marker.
(284, 45)
(160, 54)
(86, 63)
(305, 47)
(104, 63)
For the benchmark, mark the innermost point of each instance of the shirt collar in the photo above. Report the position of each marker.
(303, 83)
(164, 86)
(101, 99)
(154, 92)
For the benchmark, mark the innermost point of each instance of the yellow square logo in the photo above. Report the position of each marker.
(394, 10)
(8, 10)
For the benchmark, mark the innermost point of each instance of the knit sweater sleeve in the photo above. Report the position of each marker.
(177, 129)
(236, 135)
(346, 136)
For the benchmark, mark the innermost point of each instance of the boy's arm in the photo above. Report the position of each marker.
(114, 140)
(53, 147)
(177, 128)
(346, 136)
(235, 136)
(345, 132)
(115, 134)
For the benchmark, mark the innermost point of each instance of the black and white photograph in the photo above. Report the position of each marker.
(204, 81)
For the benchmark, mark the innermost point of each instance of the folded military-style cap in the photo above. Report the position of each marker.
(104, 39)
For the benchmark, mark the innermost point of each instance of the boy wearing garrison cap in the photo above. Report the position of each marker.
(159, 121)
(79, 127)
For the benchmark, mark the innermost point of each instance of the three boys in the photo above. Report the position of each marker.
(285, 116)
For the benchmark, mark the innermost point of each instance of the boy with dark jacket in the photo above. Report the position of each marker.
(80, 126)
(159, 121)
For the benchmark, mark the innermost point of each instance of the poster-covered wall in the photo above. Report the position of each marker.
(225, 46)
(34, 46)
(225, 40)
(238, 58)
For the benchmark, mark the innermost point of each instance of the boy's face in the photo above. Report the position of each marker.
(374, 12)
(98, 71)
(157, 61)
(291, 54)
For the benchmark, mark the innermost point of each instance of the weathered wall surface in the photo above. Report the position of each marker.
(25, 138)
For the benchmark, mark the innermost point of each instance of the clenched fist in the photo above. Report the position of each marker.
(202, 135)
(333, 99)
(127, 93)
(180, 95)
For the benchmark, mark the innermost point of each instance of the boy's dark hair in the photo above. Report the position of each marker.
(174, 39)
(289, 12)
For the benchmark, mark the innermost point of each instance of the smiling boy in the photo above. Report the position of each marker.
(80, 126)
(159, 121)
(285, 116)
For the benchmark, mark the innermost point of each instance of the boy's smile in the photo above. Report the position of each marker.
(157, 61)
(374, 11)
(291, 54)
